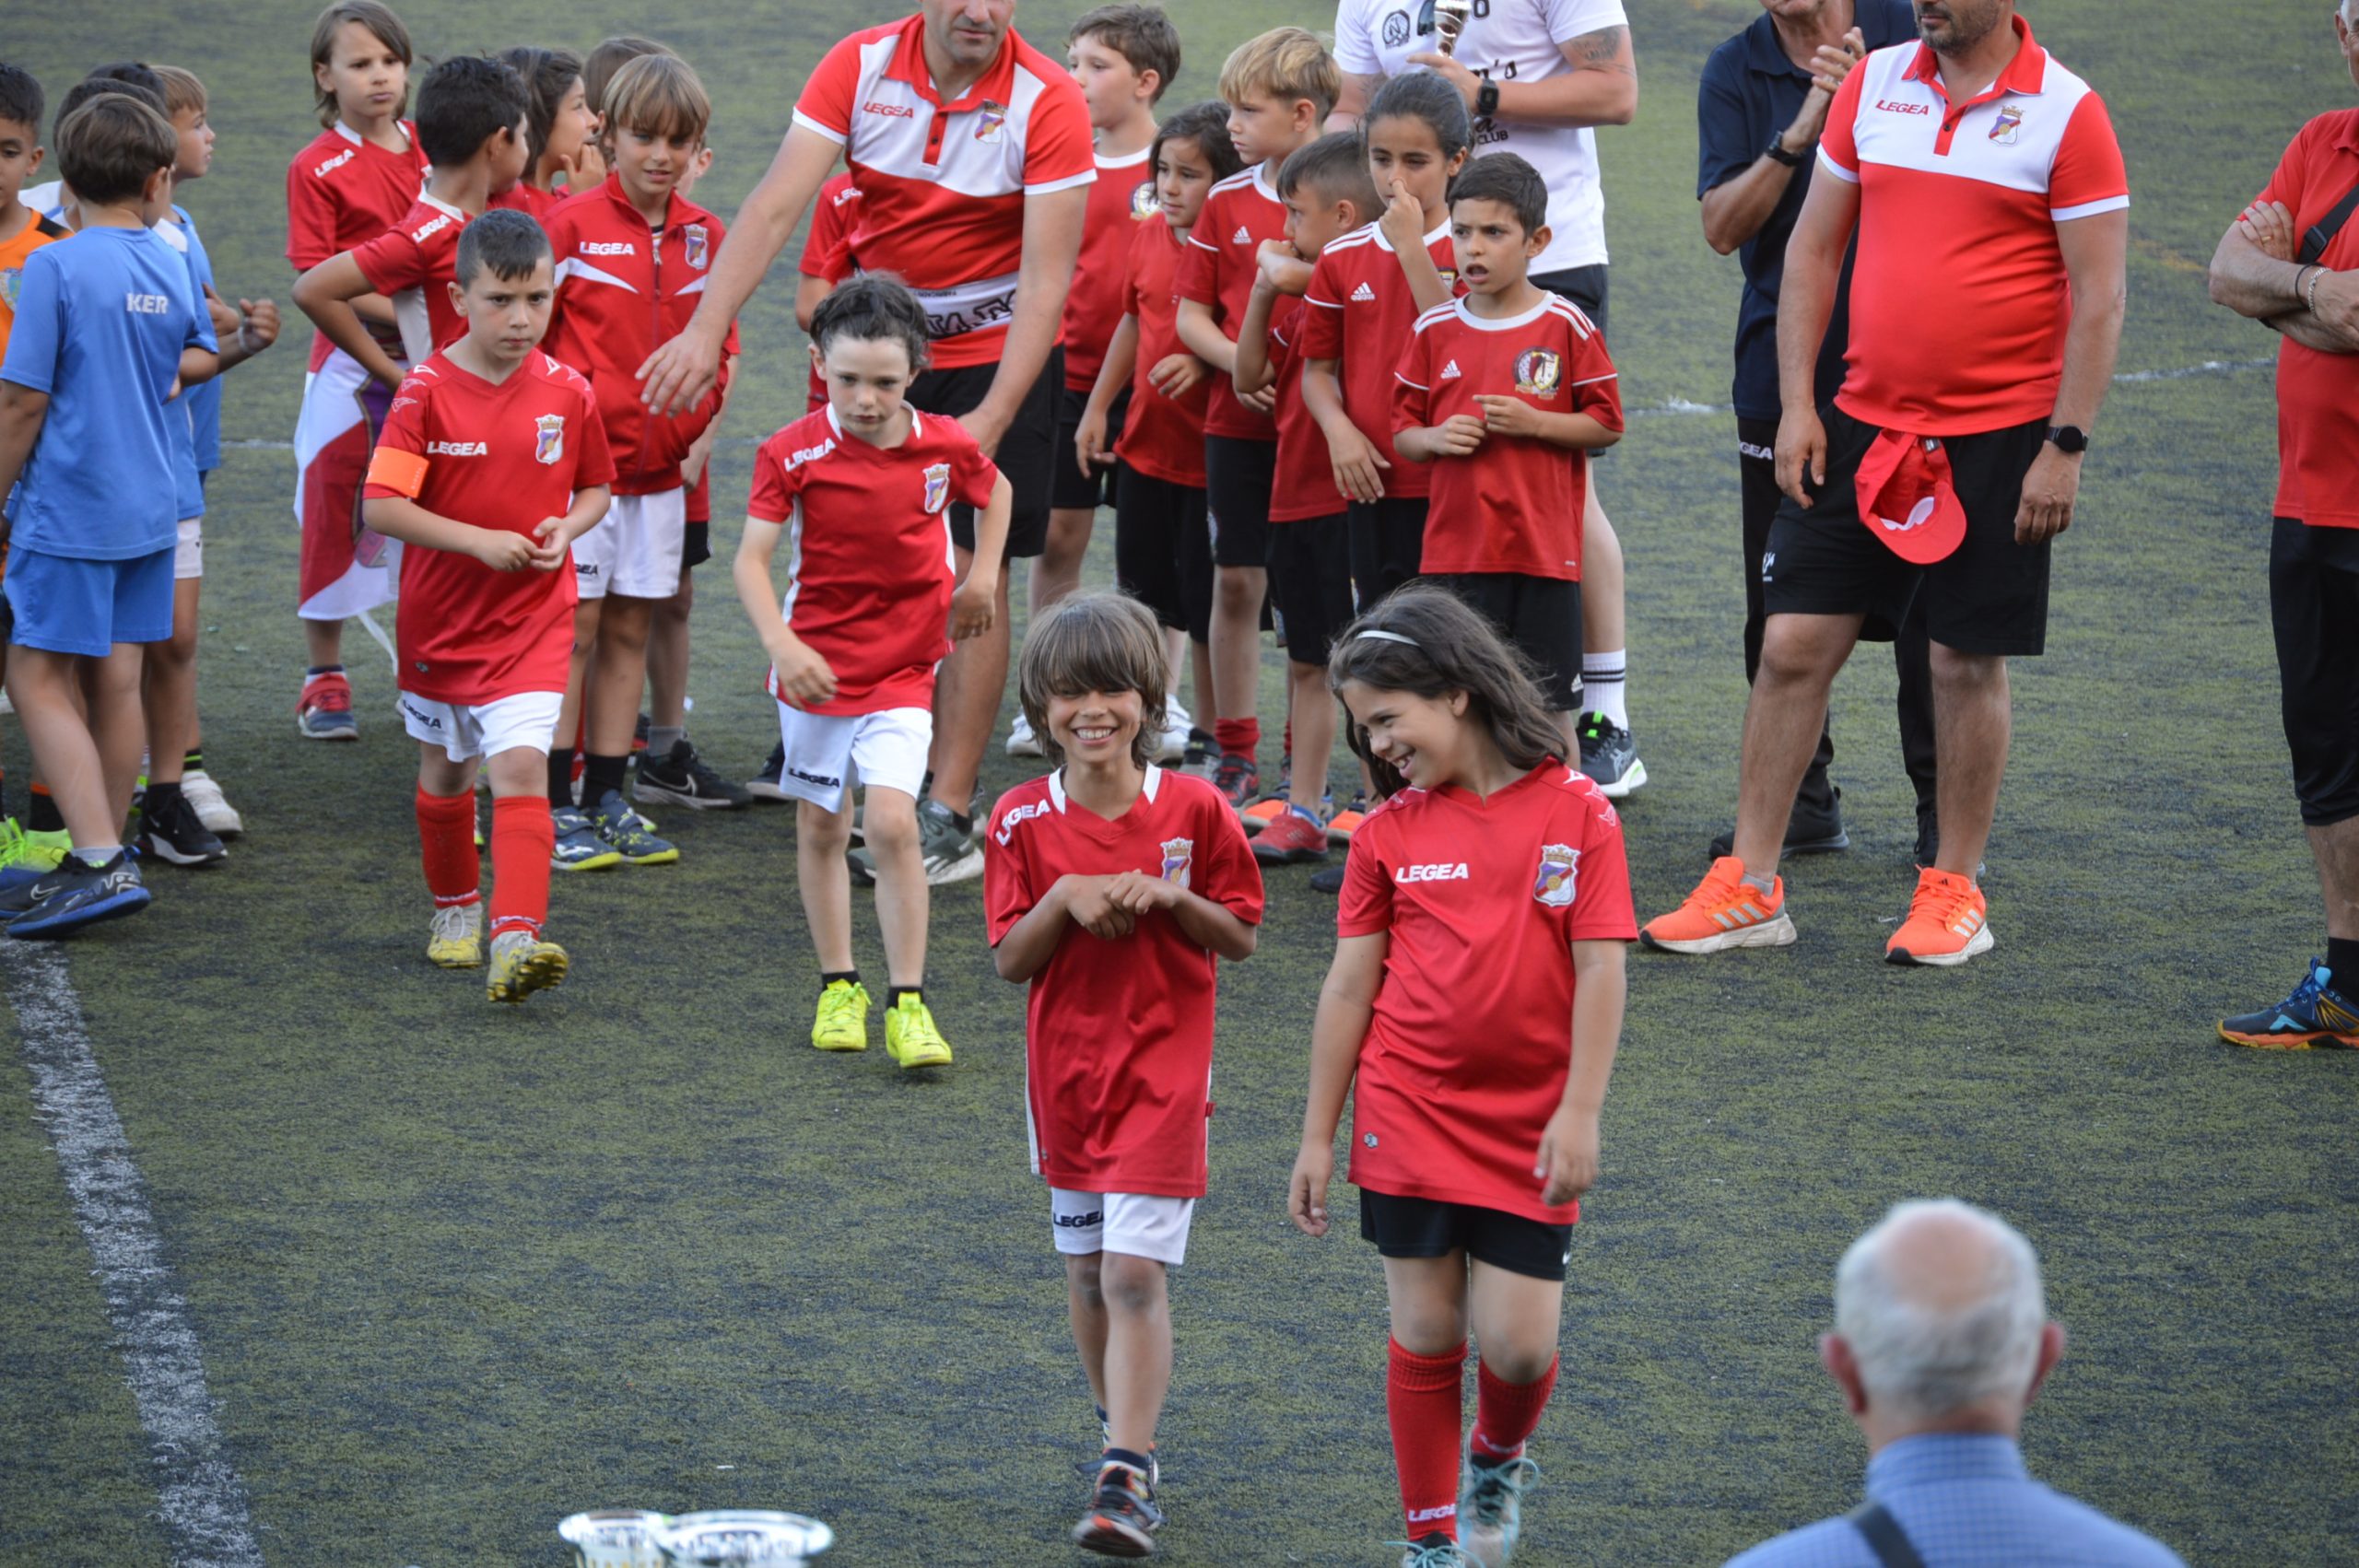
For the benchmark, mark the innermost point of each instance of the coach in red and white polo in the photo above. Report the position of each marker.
(1992, 208)
(972, 152)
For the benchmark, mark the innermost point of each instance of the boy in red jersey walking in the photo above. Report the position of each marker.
(492, 462)
(1112, 887)
(1474, 1103)
(861, 491)
(1504, 391)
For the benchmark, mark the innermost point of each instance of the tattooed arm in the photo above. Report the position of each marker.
(1602, 88)
(1358, 87)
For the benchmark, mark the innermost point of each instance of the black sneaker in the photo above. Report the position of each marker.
(763, 785)
(169, 831)
(685, 779)
(1328, 879)
(1809, 831)
(1203, 754)
(1610, 757)
(79, 894)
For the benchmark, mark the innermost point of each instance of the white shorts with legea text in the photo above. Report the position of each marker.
(188, 551)
(1134, 1224)
(635, 549)
(483, 728)
(825, 752)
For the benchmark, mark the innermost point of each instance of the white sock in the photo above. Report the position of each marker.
(96, 855)
(1605, 677)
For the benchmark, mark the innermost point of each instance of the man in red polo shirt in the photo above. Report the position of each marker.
(1992, 208)
(972, 152)
(2291, 261)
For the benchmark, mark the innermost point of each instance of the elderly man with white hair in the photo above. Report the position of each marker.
(1942, 1339)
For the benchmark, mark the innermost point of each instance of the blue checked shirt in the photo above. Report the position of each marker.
(1966, 1502)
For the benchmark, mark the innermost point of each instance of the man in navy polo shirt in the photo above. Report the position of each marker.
(1759, 113)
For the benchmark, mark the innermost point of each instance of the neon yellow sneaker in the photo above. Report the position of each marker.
(44, 852)
(842, 1024)
(457, 940)
(13, 844)
(911, 1039)
(523, 963)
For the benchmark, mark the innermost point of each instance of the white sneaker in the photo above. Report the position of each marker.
(219, 817)
(1172, 745)
(1021, 741)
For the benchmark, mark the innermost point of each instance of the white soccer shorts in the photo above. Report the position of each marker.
(825, 752)
(188, 550)
(483, 728)
(635, 549)
(1136, 1224)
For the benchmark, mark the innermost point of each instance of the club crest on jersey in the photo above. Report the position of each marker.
(1143, 203)
(1538, 372)
(2011, 119)
(1179, 861)
(12, 279)
(550, 444)
(697, 239)
(937, 485)
(992, 124)
(1553, 886)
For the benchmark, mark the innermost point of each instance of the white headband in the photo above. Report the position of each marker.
(1386, 636)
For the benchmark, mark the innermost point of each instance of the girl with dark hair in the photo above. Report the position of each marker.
(559, 124)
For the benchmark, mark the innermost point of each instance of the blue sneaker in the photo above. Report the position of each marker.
(2315, 1015)
(1490, 1509)
(79, 894)
(627, 833)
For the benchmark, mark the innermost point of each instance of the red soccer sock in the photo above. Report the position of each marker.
(523, 837)
(1242, 736)
(1506, 1414)
(446, 841)
(1422, 1398)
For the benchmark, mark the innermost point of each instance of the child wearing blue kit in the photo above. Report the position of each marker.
(107, 331)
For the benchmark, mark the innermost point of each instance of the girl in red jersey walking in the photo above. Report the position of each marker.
(1474, 1116)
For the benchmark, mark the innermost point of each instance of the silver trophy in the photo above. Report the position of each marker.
(742, 1538)
(1450, 20)
(615, 1538)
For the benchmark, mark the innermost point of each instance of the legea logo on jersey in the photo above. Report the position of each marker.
(696, 237)
(457, 449)
(1893, 106)
(1179, 861)
(1538, 372)
(609, 248)
(1016, 817)
(549, 446)
(1142, 202)
(937, 485)
(889, 111)
(1433, 871)
(339, 161)
(429, 230)
(1553, 886)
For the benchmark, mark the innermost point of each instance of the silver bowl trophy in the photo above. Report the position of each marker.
(736, 1537)
(1450, 20)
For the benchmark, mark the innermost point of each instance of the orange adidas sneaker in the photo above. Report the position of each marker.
(1724, 911)
(1949, 923)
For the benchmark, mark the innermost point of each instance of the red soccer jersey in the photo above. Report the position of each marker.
(1118, 1035)
(343, 191)
(1514, 505)
(1358, 295)
(1969, 195)
(826, 252)
(410, 264)
(1468, 1049)
(868, 535)
(623, 287)
(1218, 271)
(1121, 199)
(493, 456)
(1163, 438)
(1304, 484)
(2317, 394)
(532, 201)
(943, 185)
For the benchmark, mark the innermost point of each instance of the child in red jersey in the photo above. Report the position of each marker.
(1162, 545)
(492, 462)
(1328, 195)
(1123, 56)
(353, 183)
(1472, 1015)
(861, 490)
(1280, 88)
(561, 123)
(1505, 392)
(1112, 887)
(633, 255)
(1369, 289)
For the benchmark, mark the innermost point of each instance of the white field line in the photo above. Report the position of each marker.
(202, 1502)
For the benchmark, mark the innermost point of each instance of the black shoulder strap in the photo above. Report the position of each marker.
(2322, 233)
(1884, 1537)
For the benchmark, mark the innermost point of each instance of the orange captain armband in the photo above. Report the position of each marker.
(392, 469)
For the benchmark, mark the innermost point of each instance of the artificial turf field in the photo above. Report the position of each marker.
(455, 1271)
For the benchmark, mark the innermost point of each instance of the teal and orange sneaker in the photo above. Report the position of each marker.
(2315, 1015)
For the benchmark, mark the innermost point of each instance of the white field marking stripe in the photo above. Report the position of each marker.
(1671, 406)
(384, 641)
(202, 1502)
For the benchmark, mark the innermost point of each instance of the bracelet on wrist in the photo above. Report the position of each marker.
(2311, 299)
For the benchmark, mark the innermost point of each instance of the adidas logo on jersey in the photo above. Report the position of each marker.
(1241, 237)
(1449, 372)
(1438, 871)
(1363, 293)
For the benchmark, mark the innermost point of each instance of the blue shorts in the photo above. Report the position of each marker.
(62, 604)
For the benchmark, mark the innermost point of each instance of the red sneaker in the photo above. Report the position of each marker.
(1290, 838)
(324, 711)
(1949, 923)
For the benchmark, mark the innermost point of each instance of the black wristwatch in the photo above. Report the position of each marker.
(1777, 153)
(2069, 438)
(1486, 99)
